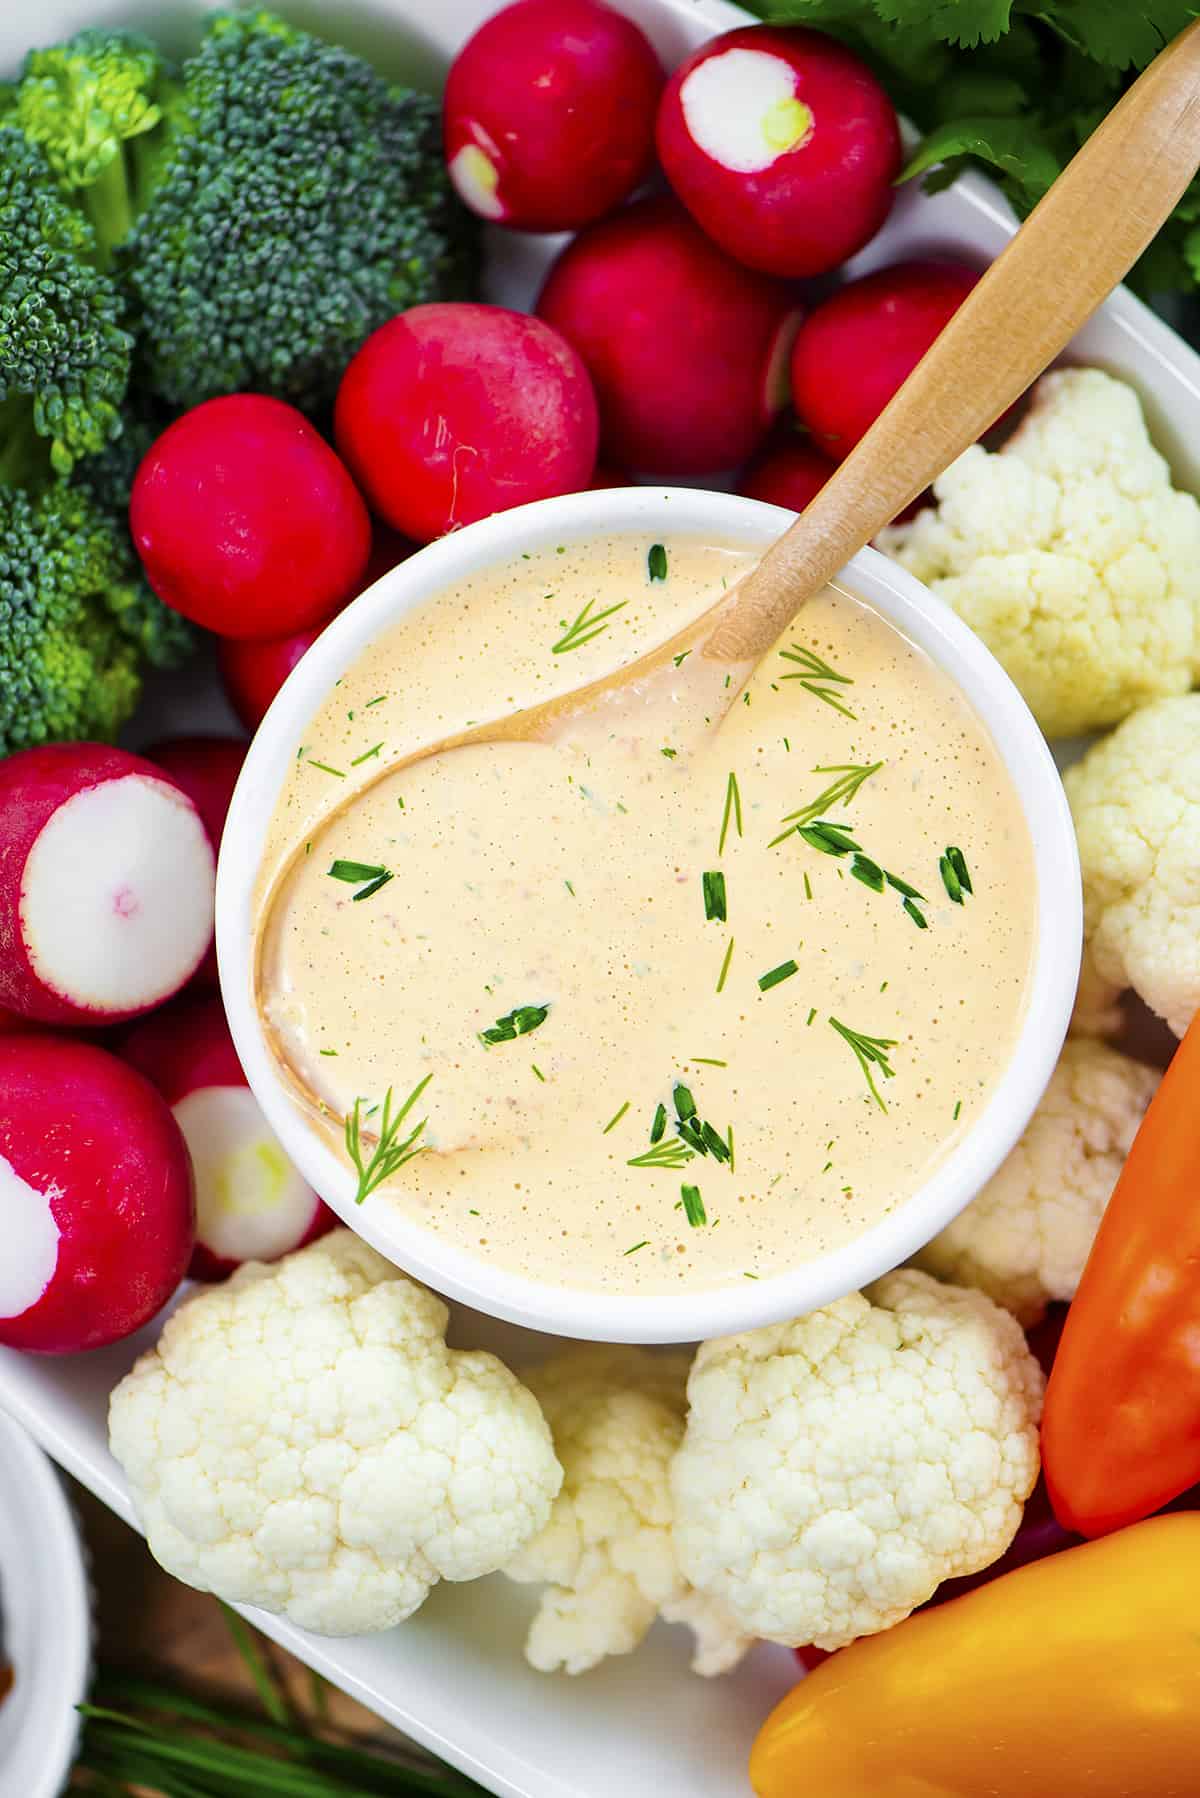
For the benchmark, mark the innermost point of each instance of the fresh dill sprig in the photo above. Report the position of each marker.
(373, 874)
(733, 809)
(851, 776)
(671, 1152)
(870, 1052)
(713, 885)
(391, 1150)
(518, 1022)
(813, 671)
(584, 627)
(953, 869)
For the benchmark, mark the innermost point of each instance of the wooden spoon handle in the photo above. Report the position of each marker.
(1086, 233)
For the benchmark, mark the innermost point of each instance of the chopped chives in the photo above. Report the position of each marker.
(659, 1125)
(708, 1061)
(325, 768)
(830, 839)
(812, 1014)
(733, 808)
(725, 966)
(378, 700)
(807, 888)
(644, 1244)
(953, 869)
(915, 913)
(537, 1070)
(355, 873)
(685, 1105)
(327, 1051)
(518, 1022)
(672, 1153)
(669, 753)
(656, 562)
(713, 885)
(366, 755)
(615, 1119)
(729, 1140)
(693, 1206)
(957, 1109)
(714, 1142)
(902, 886)
(869, 872)
(682, 657)
(569, 888)
(784, 971)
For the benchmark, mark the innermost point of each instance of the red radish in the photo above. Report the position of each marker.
(786, 474)
(95, 1197)
(207, 769)
(251, 1204)
(13, 1024)
(549, 114)
(106, 885)
(253, 672)
(863, 342)
(453, 411)
(245, 519)
(783, 147)
(687, 350)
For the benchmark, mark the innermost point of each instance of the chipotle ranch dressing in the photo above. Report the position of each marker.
(569, 876)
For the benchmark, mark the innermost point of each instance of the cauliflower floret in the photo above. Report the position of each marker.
(1024, 1240)
(1071, 555)
(1097, 1001)
(302, 1439)
(836, 1469)
(1135, 798)
(617, 1417)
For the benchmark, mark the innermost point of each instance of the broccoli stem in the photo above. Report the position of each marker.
(22, 451)
(108, 206)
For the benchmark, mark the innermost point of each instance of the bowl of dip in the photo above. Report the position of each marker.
(703, 1026)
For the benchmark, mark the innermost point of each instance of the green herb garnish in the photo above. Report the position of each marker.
(391, 1150)
(713, 885)
(685, 1105)
(733, 809)
(813, 671)
(659, 1124)
(916, 914)
(584, 627)
(870, 1052)
(366, 755)
(784, 971)
(644, 1244)
(708, 1061)
(670, 1153)
(355, 873)
(851, 776)
(957, 1109)
(325, 768)
(953, 869)
(725, 966)
(537, 1070)
(615, 1119)
(515, 1023)
(869, 872)
(669, 753)
(693, 1206)
(830, 839)
(656, 562)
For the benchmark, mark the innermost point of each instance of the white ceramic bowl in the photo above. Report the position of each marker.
(565, 1311)
(47, 1620)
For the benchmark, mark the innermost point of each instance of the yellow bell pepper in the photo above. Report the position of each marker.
(1076, 1677)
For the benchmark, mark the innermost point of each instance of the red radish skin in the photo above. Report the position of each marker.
(453, 411)
(783, 147)
(786, 474)
(96, 1204)
(206, 768)
(106, 885)
(251, 1203)
(253, 672)
(246, 521)
(549, 114)
(687, 350)
(857, 348)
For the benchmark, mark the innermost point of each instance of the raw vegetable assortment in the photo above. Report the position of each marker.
(270, 240)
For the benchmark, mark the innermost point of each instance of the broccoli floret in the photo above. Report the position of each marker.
(66, 669)
(306, 203)
(64, 354)
(100, 107)
(164, 638)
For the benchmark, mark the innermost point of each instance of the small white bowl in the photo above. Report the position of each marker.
(568, 1311)
(47, 1620)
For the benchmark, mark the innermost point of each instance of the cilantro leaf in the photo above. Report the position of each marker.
(1014, 146)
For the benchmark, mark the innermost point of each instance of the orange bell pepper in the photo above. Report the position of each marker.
(1121, 1425)
(1075, 1677)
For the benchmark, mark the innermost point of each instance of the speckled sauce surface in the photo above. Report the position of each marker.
(568, 878)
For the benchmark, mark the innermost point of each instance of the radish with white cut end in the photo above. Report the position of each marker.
(96, 1212)
(251, 1203)
(106, 885)
(687, 350)
(783, 147)
(549, 114)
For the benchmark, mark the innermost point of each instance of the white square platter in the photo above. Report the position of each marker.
(453, 1677)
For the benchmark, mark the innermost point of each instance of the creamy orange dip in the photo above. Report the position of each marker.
(670, 1040)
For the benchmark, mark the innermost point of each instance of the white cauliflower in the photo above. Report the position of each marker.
(1135, 798)
(302, 1439)
(836, 1469)
(1071, 555)
(1024, 1240)
(617, 1416)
